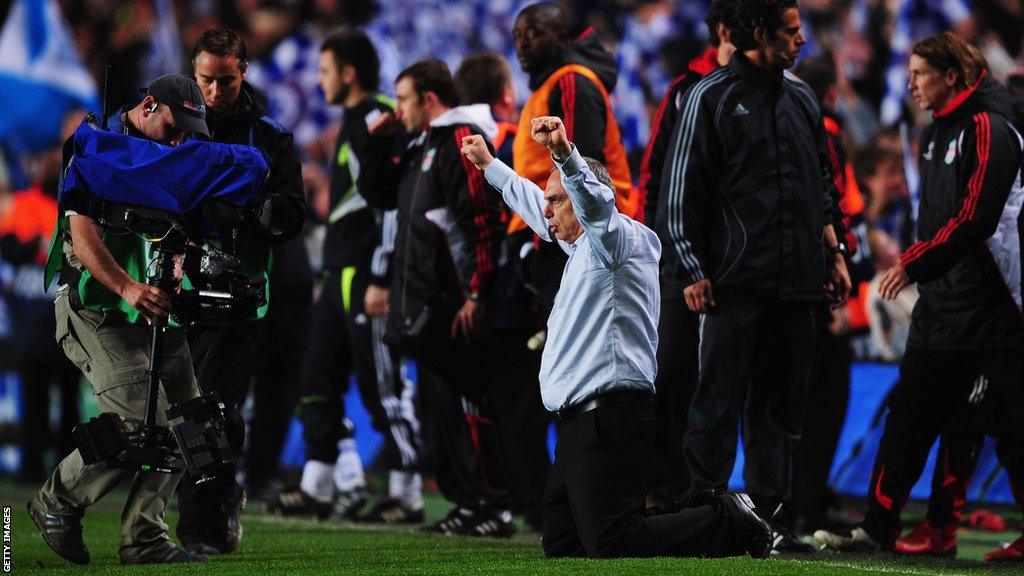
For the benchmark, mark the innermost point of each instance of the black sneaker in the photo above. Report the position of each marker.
(347, 504)
(784, 541)
(456, 519)
(170, 555)
(298, 503)
(756, 535)
(392, 511)
(62, 532)
(487, 525)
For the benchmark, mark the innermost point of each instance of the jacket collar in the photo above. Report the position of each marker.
(706, 63)
(742, 66)
(955, 104)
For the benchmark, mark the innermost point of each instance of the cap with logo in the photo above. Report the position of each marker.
(181, 94)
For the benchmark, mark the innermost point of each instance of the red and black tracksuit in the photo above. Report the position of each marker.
(677, 328)
(449, 232)
(968, 320)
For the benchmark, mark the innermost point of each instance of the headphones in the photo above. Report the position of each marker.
(152, 107)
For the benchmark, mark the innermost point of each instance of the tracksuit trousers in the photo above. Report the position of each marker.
(935, 386)
(755, 363)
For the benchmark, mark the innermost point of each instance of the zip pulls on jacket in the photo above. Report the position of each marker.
(408, 227)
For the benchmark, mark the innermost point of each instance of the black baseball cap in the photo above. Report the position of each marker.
(181, 94)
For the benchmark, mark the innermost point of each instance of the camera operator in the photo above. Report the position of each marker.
(223, 354)
(102, 300)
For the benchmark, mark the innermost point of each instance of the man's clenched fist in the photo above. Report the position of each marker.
(474, 148)
(549, 132)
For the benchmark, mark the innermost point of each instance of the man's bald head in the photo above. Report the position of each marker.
(540, 31)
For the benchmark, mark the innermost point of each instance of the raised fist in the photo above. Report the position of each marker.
(549, 132)
(474, 148)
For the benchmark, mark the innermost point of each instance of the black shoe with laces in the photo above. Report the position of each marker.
(348, 503)
(169, 555)
(393, 511)
(297, 503)
(489, 525)
(62, 532)
(756, 536)
(784, 541)
(454, 521)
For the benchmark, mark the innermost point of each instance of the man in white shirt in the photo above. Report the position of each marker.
(598, 370)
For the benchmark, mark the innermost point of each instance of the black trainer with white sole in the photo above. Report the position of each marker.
(393, 511)
(297, 503)
(62, 533)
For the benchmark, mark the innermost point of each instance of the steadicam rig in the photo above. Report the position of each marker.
(183, 201)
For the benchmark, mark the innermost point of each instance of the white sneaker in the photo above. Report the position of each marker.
(857, 541)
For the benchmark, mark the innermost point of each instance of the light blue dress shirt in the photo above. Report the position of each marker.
(603, 329)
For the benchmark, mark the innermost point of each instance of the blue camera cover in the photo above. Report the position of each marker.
(122, 169)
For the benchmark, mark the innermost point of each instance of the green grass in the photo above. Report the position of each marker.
(285, 546)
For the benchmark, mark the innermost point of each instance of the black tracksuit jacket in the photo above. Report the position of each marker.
(449, 225)
(747, 187)
(968, 259)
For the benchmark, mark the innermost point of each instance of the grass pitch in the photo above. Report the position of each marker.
(273, 545)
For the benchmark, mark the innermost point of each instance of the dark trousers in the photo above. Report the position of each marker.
(594, 500)
(455, 381)
(345, 341)
(280, 349)
(755, 361)
(828, 396)
(37, 437)
(934, 387)
(523, 421)
(959, 449)
(675, 384)
(222, 357)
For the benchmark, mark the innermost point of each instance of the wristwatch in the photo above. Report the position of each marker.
(840, 248)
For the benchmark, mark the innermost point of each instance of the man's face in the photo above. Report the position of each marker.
(331, 80)
(220, 80)
(159, 126)
(410, 106)
(536, 44)
(785, 43)
(562, 221)
(930, 88)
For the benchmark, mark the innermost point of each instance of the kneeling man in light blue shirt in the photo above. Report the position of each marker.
(598, 368)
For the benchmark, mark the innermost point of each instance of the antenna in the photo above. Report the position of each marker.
(106, 82)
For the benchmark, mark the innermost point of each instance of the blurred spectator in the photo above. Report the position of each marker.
(889, 320)
(27, 222)
(887, 204)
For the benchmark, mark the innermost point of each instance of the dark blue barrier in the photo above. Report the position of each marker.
(851, 470)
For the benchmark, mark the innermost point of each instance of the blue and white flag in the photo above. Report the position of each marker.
(41, 77)
(165, 51)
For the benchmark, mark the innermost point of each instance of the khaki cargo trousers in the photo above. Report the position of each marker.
(114, 356)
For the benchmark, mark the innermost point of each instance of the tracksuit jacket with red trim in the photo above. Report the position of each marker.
(968, 260)
(449, 226)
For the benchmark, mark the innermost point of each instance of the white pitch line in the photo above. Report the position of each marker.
(879, 569)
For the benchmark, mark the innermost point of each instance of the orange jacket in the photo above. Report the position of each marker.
(533, 161)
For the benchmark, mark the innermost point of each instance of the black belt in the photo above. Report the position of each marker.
(595, 402)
